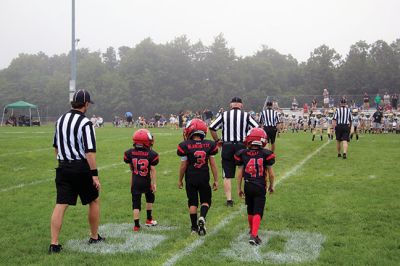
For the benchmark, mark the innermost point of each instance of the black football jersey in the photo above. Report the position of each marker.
(198, 153)
(255, 162)
(140, 161)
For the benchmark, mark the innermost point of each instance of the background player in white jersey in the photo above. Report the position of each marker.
(368, 123)
(356, 123)
(293, 123)
(319, 124)
(329, 119)
(385, 123)
(311, 122)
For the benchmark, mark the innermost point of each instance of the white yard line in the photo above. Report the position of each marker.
(37, 182)
(22, 152)
(26, 185)
(199, 241)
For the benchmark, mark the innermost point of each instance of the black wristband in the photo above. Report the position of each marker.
(94, 172)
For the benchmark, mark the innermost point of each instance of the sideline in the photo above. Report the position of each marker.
(198, 242)
(37, 182)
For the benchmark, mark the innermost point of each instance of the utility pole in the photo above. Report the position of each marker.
(72, 82)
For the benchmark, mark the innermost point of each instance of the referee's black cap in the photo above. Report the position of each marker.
(82, 96)
(236, 100)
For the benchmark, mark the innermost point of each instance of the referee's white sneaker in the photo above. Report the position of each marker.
(202, 226)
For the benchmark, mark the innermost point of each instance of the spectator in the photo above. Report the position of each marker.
(331, 102)
(366, 101)
(305, 109)
(128, 117)
(377, 100)
(314, 104)
(386, 99)
(326, 98)
(208, 115)
(100, 121)
(180, 119)
(295, 104)
(94, 120)
(157, 118)
(394, 101)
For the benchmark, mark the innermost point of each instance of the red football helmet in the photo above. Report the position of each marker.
(195, 126)
(143, 137)
(256, 136)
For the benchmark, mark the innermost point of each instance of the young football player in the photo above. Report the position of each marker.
(255, 167)
(356, 122)
(329, 126)
(142, 160)
(368, 123)
(319, 123)
(196, 154)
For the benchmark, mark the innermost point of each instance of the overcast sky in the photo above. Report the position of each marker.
(289, 26)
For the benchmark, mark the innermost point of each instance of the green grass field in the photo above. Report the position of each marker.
(325, 210)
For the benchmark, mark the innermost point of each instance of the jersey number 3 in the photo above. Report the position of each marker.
(200, 158)
(251, 167)
(140, 167)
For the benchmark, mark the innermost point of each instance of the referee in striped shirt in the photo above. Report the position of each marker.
(75, 147)
(235, 124)
(270, 121)
(342, 123)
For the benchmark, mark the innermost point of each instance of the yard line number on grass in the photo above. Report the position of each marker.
(198, 242)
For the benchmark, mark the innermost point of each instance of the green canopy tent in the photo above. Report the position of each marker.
(21, 105)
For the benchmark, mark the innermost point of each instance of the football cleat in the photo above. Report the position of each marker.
(151, 222)
(136, 228)
(98, 240)
(229, 203)
(55, 249)
(202, 226)
(194, 230)
(254, 240)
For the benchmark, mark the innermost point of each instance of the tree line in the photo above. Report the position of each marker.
(181, 75)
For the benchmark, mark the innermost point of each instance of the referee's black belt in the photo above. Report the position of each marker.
(233, 142)
(72, 161)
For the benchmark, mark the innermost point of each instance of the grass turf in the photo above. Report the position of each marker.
(353, 203)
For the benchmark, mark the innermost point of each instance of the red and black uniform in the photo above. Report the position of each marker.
(197, 175)
(255, 162)
(140, 161)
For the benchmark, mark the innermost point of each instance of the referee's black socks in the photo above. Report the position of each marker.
(203, 211)
(193, 219)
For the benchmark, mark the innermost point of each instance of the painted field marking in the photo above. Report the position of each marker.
(26, 185)
(299, 247)
(37, 182)
(22, 152)
(125, 240)
(198, 242)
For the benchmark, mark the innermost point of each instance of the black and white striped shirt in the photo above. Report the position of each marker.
(269, 118)
(235, 124)
(342, 116)
(74, 136)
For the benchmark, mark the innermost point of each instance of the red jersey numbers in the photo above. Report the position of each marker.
(200, 158)
(252, 167)
(140, 166)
